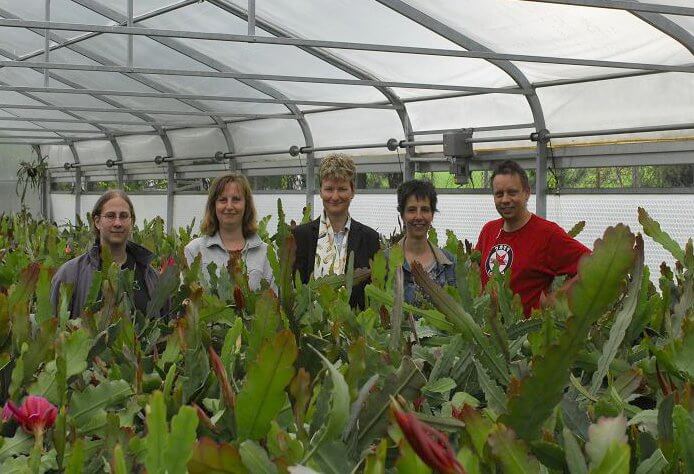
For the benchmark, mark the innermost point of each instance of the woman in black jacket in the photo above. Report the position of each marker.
(323, 246)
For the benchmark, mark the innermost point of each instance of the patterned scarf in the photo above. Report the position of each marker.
(331, 257)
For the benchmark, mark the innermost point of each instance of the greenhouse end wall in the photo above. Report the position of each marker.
(464, 214)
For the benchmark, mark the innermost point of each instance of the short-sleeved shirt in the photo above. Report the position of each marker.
(534, 254)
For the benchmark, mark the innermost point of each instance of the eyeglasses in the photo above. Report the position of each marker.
(112, 216)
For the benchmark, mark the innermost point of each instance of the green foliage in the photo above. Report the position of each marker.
(304, 380)
(263, 394)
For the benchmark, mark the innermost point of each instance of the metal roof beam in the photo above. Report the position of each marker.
(625, 5)
(176, 95)
(261, 77)
(489, 55)
(196, 113)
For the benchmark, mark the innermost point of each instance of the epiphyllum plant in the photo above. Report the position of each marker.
(35, 415)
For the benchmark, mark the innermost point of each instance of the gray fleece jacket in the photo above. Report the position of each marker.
(80, 272)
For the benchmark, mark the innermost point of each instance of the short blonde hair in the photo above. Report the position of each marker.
(210, 224)
(337, 166)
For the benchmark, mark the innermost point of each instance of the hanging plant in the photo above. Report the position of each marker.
(31, 175)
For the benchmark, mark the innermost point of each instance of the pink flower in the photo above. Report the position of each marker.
(35, 414)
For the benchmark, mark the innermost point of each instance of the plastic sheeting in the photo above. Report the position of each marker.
(502, 26)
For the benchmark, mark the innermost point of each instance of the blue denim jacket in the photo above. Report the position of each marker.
(443, 273)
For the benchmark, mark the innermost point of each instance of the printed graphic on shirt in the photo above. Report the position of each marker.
(501, 255)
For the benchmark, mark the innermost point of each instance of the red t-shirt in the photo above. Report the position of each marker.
(535, 253)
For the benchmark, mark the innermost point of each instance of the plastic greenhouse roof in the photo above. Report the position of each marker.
(254, 76)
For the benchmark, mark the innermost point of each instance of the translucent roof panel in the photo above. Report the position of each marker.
(380, 25)
(141, 147)
(620, 103)
(354, 127)
(62, 11)
(95, 151)
(466, 112)
(252, 58)
(265, 135)
(204, 142)
(567, 31)
(20, 41)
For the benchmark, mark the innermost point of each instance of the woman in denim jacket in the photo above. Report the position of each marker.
(230, 226)
(417, 205)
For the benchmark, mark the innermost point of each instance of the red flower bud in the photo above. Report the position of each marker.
(239, 300)
(221, 373)
(68, 249)
(430, 444)
(166, 263)
(34, 415)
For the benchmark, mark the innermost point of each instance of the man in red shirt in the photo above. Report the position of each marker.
(533, 249)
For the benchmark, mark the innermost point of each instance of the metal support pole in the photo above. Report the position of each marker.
(78, 182)
(130, 37)
(170, 184)
(251, 17)
(170, 190)
(46, 42)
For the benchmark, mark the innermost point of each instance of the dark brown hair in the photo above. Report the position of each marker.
(420, 189)
(103, 199)
(510, 167)
(210, 224)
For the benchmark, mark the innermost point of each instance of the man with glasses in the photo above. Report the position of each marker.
(113, 217)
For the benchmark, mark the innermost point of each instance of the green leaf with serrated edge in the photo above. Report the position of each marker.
(434, 318)
(339, 408)
(166, 285)
(622, 319)
(20, 443)
(683, 423)
(442, 385)
(179, 446)
(645, 308)
(615, 461)
(229, 349)
(331, 458)
(575, 460)
(372, 421)
(76, 349)
(379, 270)
(85, 405)
(409, 462)
(665, 409)
(577, 228)
(75, 462)
(118, 464)
(652, 229)
(477, 428)
(653, 465)
(263, 325)
(157, 434)
(263, 392)
(256, 459)
(678, 356)
(44, 307)
(376, 461)
(598, 285)
(464, 324)
(493, 394)
(212, 458)
(511, 452)
(444, 364)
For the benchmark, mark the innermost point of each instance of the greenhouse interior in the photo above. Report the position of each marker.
(400, 157)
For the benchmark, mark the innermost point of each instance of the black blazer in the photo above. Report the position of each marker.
(362, 240)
